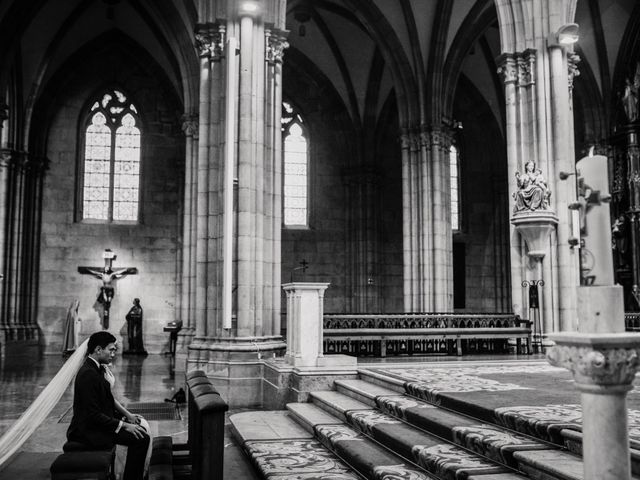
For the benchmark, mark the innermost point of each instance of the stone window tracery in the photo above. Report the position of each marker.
(111, 160)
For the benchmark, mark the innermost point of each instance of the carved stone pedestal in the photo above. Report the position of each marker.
(603, 367)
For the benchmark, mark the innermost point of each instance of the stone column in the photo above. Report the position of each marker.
(204, 43)
(276, 44)
(424, 174)
(603, 367)
(442, 250)
(508, 71)
(409, 250)
(427, 235)
(187, 307)
(244, 142)
(5, 175)
(568, 266)
(36, 171)
(15, 245)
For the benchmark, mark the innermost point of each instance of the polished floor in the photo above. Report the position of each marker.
(23, 375)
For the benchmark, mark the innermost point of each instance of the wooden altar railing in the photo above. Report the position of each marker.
(423, 333)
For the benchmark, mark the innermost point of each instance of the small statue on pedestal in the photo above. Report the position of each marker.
(134, 329)
(533, 193)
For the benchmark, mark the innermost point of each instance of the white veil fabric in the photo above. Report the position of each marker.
(38, 411)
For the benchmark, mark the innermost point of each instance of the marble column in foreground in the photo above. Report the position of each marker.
(603, 367)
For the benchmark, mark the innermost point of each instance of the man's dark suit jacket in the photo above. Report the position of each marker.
(93, 421)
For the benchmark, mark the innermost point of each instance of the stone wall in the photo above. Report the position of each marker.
(151, 245)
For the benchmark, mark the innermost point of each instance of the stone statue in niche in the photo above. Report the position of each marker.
(533, 193)
(630, 96)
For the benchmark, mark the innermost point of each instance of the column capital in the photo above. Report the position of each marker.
(526, 67)
(190, 125)
(409, 140)
(210, 38)
(508, 68)
(276, 44)
(600, 363)
(441, 137)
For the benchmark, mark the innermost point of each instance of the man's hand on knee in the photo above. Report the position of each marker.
(134, 429)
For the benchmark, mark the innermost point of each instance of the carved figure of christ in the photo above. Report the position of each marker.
(107, 274)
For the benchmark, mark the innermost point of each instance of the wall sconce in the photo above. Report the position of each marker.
(566, 36)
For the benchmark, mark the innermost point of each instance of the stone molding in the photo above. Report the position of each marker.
(599, 363)
(210, 39)
(276, 43)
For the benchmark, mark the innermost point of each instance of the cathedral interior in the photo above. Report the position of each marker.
(208, 157)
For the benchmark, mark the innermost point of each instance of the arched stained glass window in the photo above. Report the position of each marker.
(296, 169)
(111, 164)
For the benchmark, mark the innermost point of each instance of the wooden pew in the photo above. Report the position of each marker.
(202, 457)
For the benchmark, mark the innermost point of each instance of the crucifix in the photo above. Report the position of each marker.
(303, 266)
(107, 274)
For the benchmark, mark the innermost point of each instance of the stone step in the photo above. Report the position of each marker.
(281, 449)
(436, 455)
(489, 440)
(542, 423)
(521, 452)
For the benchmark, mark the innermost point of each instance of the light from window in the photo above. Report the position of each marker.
(296, 164)
(455, 193)
(295, 177)
(110, 191)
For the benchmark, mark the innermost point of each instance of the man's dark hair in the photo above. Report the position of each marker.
(99, 339)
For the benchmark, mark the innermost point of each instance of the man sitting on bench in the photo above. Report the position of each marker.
(94, 423)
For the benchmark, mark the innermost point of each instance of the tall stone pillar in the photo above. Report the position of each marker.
(22, 192)
(238, 218)
(187, 283)
(427, 235)
(5, 175)
(537, 70)
(442, 250)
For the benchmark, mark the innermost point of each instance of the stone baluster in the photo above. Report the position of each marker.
(603, 367)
